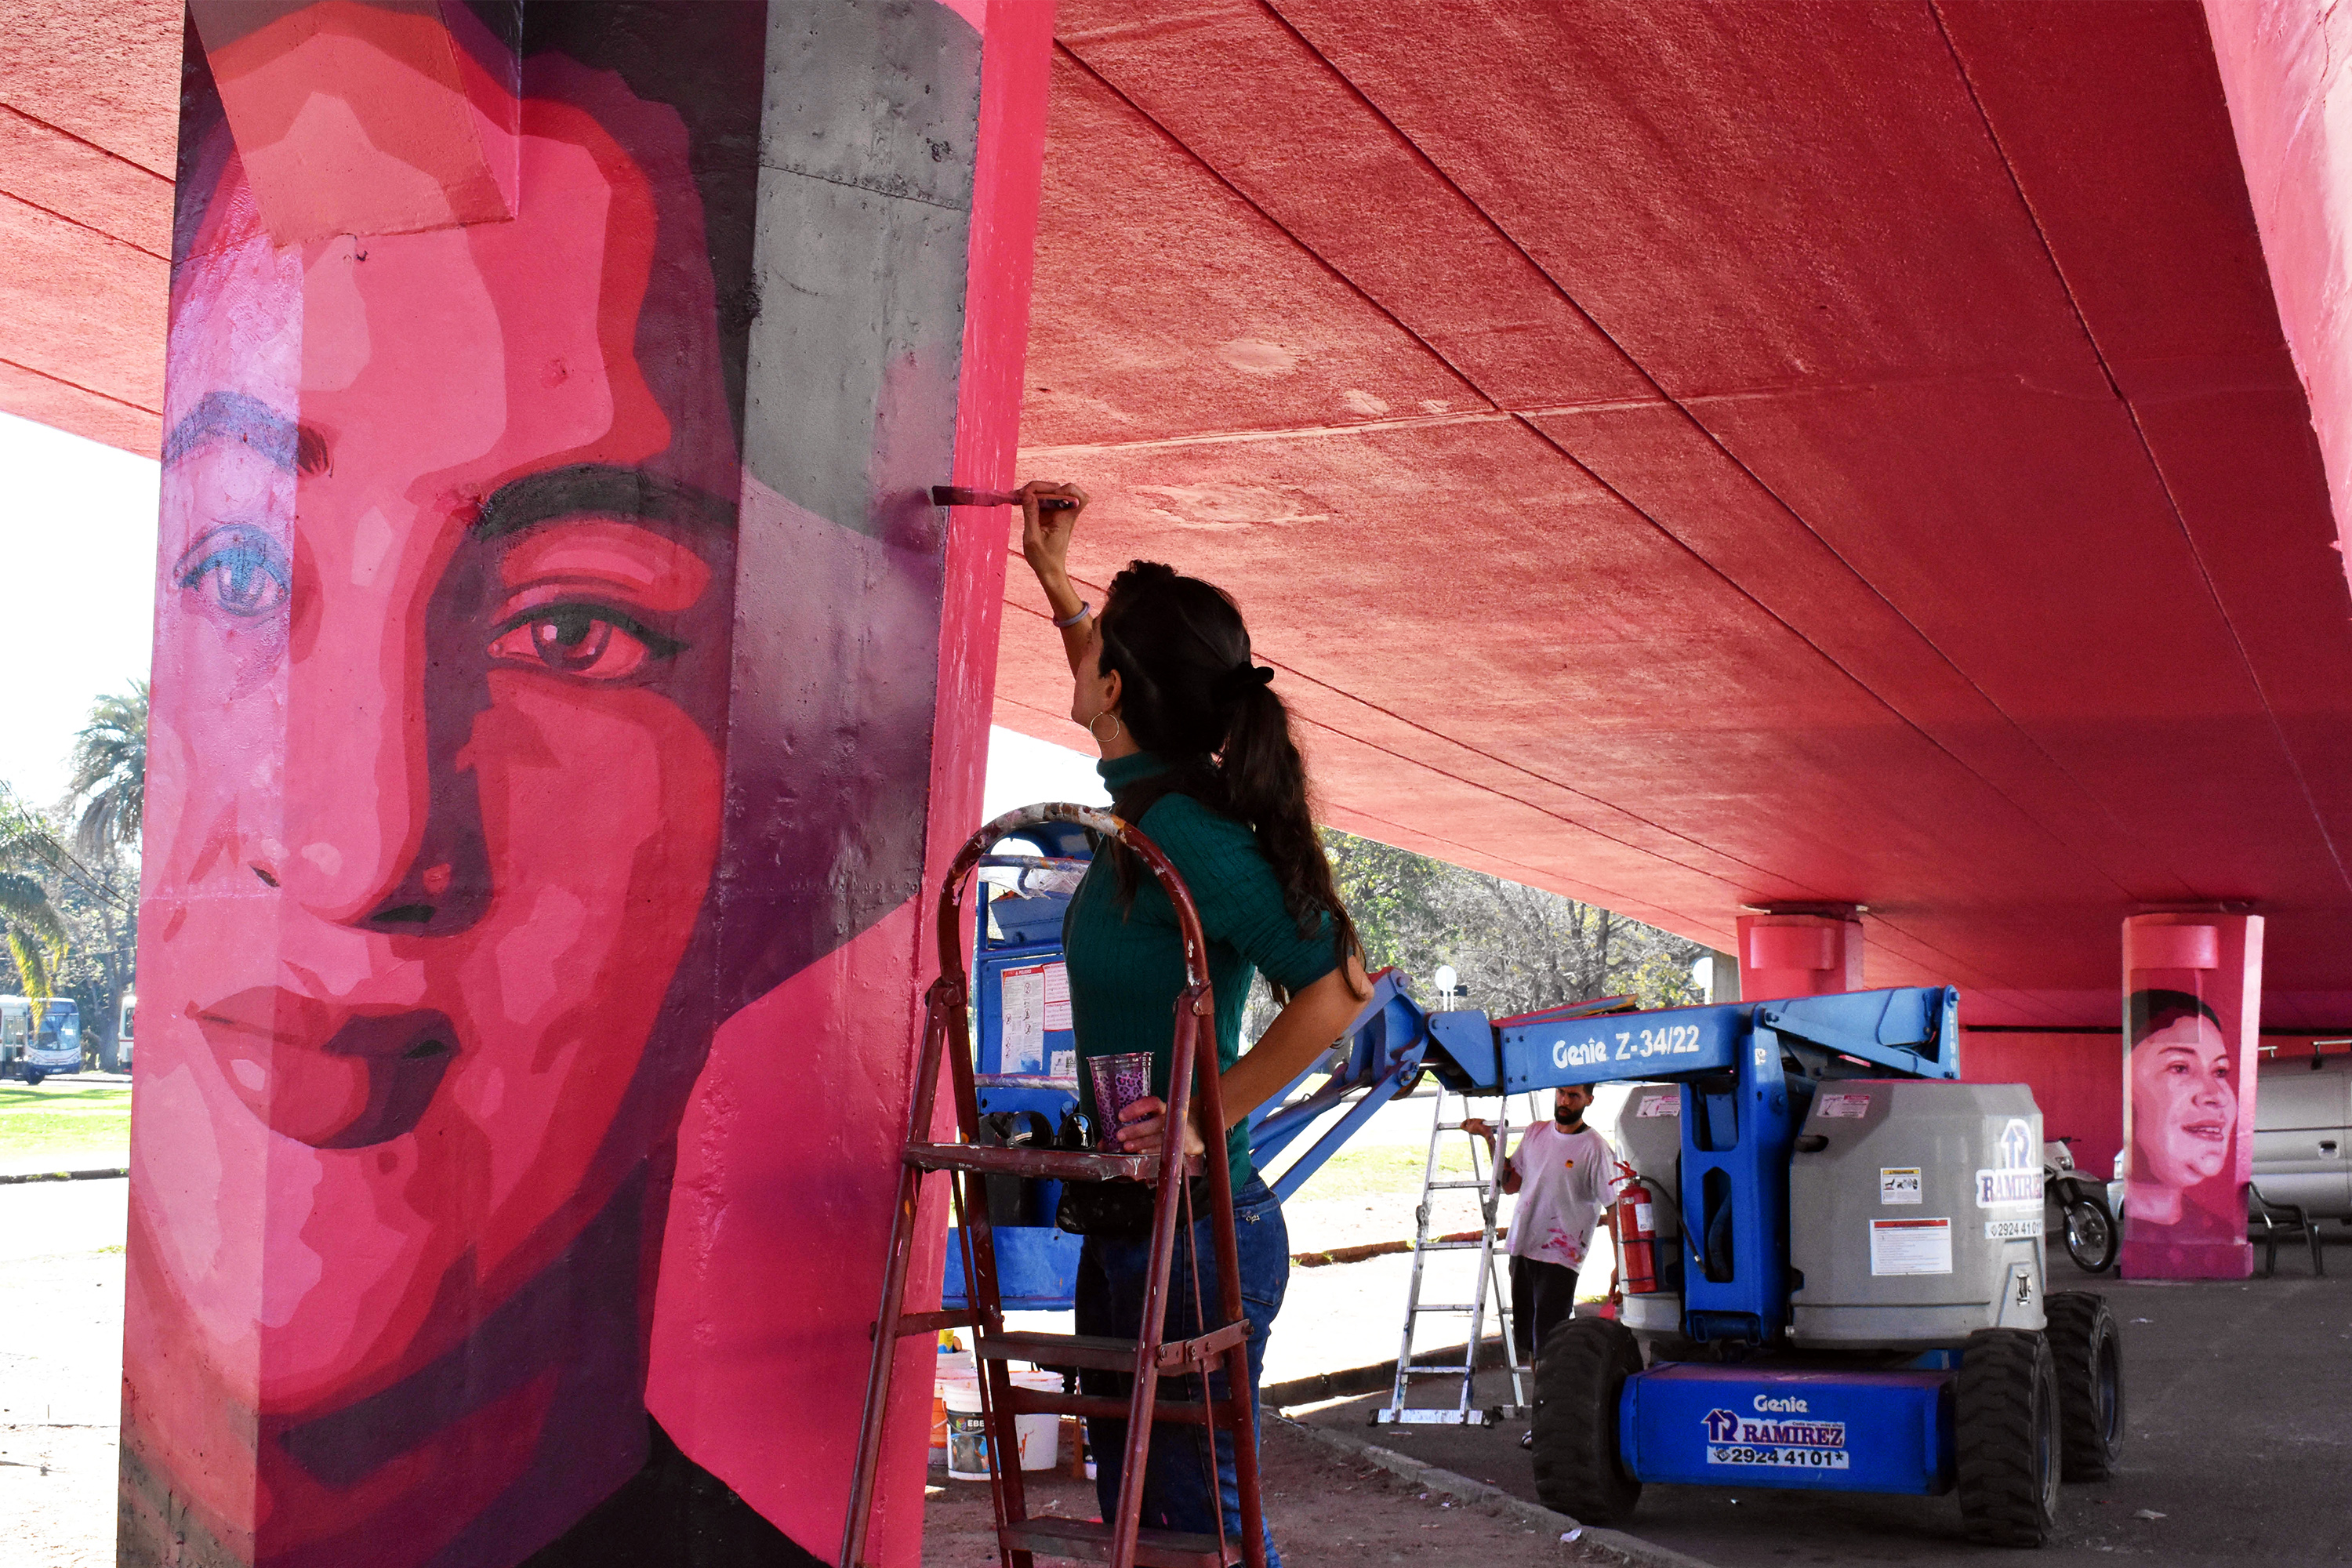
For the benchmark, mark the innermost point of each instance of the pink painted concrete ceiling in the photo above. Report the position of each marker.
(89, 96)
(1687, 462)
(1681, 455)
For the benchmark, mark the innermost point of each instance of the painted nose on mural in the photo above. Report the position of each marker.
(328, 1075)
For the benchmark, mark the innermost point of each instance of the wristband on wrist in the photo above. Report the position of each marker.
(1075, 617)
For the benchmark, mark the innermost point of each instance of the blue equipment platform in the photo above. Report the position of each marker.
(1765, 1425)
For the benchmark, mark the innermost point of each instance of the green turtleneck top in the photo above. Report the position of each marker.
(1127, 963)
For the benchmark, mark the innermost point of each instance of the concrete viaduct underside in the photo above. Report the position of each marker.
(1689, 457)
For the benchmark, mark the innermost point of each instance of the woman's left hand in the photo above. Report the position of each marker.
(1143, 1128)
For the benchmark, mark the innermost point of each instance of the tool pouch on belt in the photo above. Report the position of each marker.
(1119, 1210)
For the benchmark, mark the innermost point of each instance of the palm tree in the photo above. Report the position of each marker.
(29, 923)
(110, 774)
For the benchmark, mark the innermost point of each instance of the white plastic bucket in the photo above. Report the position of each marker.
(954, 1367)
(967, 1432)
(1039, 1436)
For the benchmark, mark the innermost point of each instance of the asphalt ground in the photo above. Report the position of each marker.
(2238, 1406)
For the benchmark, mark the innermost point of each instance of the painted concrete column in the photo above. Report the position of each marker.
(563, 695)
(2192, 1012)
(1799, 955)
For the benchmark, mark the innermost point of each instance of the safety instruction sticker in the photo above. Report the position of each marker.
(1899, 1184)
(1911, 1247)
(2012, 1229)
(1036, 1004)
(1856, 1105)
(1662, 1105)
(2015, 1181)
(1057, 997)
(1786, 1440)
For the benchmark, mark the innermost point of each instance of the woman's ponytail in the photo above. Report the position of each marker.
(1190, 694)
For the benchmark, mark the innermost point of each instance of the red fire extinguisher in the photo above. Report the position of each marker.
(1637, 1234)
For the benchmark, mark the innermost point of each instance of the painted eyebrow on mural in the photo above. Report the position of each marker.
(601, 489)
(283, 443)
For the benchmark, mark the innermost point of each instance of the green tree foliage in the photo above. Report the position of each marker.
(1517, 948)
(30, 925)
(81, 943)
(108, 789)
(70, 879)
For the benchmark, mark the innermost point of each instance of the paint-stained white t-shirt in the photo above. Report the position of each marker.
(1563, 1183)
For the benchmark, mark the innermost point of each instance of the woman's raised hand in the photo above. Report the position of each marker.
(1046, 535)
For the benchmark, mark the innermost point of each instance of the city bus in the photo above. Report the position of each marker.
(33, 1055)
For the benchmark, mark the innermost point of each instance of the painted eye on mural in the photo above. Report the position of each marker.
(589, 641)
(236, 569)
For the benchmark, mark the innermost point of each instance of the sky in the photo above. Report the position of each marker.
(77, 538)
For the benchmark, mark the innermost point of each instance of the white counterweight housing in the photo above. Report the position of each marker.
(1914, 1214)
(1650, 1139)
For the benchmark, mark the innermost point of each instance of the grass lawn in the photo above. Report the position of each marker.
(63, 1125)
(1383, 1169)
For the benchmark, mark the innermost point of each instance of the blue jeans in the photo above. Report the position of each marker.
(1110, 1300)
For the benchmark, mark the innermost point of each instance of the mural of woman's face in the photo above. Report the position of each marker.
(2183, 1104)
(437, 780)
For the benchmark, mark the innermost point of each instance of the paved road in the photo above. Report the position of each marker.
(46, 1219)
(60, 1370)
(2236, 1403)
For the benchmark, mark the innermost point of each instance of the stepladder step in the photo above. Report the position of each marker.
(1108, 1354)
(1412, 1416)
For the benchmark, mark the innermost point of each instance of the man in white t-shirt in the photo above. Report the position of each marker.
(1563, 1174)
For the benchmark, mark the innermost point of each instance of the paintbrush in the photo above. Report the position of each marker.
(956, 495)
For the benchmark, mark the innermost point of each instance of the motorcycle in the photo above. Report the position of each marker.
(2075, 1210)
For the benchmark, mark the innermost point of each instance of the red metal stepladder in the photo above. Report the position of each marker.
(1119, 1539)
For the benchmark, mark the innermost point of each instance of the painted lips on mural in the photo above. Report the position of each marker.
(441, 837)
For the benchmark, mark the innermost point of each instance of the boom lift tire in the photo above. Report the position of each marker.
(1579, 1372)
(2089, 1356)
(2007, 1434)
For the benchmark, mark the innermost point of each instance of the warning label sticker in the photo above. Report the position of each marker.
(1662, 1105)
(1899, 1184)
(1856, 1105)
(1735, 1439)
(1911, 1247)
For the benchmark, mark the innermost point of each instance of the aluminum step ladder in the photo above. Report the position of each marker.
(1490, 1291)
(1119, 1539)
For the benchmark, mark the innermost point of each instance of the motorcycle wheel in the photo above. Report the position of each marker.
(2091, 1239)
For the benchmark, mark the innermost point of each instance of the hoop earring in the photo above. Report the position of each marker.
(1117, 728)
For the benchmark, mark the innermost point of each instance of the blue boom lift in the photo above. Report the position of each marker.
(1847, 1287)
(1844, 1288)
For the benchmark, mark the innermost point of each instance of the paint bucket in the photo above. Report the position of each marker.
(1039, 1436)
(955, 1369)
(967, 1432)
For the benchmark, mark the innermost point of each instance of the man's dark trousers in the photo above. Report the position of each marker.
(1543, 1295)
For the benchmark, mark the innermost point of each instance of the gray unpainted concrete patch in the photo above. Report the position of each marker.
(1493, 1499)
